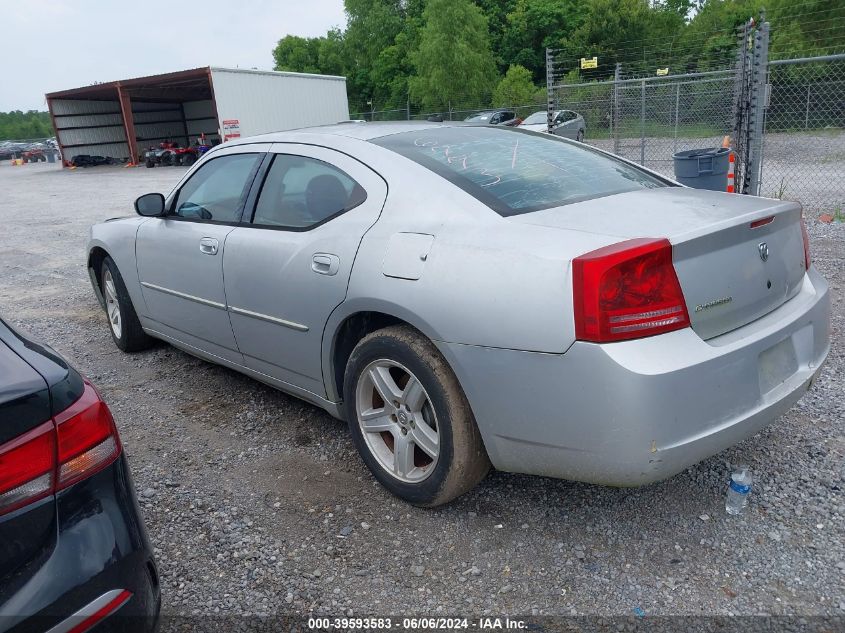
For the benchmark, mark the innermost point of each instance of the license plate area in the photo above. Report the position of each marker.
(776, 364)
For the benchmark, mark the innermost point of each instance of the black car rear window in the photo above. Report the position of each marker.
(514, 171)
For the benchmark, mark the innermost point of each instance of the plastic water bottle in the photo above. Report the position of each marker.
(738, 491)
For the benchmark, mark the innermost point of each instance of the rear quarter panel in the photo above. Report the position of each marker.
(485, 281)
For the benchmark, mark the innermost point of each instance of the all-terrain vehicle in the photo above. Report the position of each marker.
(34, 154)
(161, 156)
(187, 156)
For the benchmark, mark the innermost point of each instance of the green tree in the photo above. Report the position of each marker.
(496, 12)
(372, 27)
(454, 64)
(515, 88)
(434, 51)
(331, 55)
(710, 40)
(298, 54)
(30, 125)
(627, 31)
(534, 25)
(806, 28)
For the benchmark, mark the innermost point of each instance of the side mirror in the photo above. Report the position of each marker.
(150, 205)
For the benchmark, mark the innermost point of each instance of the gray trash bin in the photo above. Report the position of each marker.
(703, 168)
(51, 156)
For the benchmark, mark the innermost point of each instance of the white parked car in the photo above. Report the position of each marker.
(565, 123)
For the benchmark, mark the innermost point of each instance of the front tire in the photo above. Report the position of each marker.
(410, 420)
(125, 328)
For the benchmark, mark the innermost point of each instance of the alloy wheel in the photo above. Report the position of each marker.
(112, 305)
(397, 420)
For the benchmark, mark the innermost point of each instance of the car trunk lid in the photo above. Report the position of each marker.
(737, 257)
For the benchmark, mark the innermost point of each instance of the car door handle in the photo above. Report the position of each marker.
(325, 263)
(209, 246)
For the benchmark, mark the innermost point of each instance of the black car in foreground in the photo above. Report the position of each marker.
(74, 553)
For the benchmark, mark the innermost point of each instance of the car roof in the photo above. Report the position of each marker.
(362, 131)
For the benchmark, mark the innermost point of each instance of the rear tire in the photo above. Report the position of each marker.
(150, 163)
(189, 160)
(125, 328)
(420, 441)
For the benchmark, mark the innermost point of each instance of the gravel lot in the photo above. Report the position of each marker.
(257, 503)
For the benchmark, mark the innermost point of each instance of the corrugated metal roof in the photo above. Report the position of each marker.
(107, 89)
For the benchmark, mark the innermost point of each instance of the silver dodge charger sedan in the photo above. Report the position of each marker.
(468, 296)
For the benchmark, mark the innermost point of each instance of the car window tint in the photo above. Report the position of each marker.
(300, 192)
(216, 190)
(507, 116)
(514, 171)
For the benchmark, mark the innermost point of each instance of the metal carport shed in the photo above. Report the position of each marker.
(121, 119)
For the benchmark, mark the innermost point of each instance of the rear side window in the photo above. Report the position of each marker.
(513, 171)
(216, 191)
(301, 192)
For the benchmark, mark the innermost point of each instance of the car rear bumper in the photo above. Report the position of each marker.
(101, 547)
(634, 412)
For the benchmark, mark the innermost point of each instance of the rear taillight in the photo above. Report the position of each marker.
(27, 467)
(627, 290)
(806, 238)
(88, 440)
(78, 442)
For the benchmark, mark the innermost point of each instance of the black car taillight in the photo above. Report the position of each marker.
(88, 440)
(78, 442)
(27, 467)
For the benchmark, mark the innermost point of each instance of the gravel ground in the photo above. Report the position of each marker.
(257, 503)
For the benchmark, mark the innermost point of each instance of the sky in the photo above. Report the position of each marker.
(52, 45)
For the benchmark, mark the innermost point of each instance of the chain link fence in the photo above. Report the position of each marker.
(786, 118)
(804, 139)
(411, 113)
(646, 120)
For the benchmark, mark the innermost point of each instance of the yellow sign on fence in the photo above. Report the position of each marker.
(662, 71)
(589, 62)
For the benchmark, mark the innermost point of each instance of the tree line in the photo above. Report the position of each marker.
(437, 54)
(19, 125)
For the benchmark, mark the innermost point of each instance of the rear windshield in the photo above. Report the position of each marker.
(513, 171)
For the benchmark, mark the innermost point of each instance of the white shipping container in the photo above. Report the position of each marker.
(266, 101)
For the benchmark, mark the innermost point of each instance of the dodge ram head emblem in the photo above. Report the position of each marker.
(763, 249)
